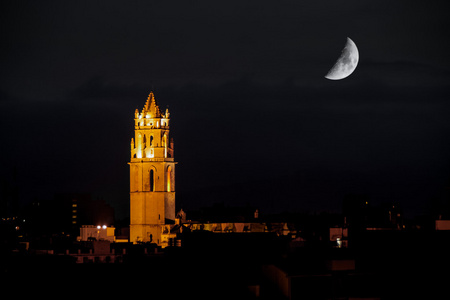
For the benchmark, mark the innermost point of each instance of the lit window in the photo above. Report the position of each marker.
(169, 179)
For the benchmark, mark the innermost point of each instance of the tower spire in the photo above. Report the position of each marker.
(151, 107)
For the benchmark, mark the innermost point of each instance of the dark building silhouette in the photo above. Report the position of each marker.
(65, 214)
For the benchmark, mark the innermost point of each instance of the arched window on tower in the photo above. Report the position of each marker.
(152, 180)
(169, 179)
(151, 140)
(164, 144)
(139, 146)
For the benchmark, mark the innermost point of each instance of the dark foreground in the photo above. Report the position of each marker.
(393, 265)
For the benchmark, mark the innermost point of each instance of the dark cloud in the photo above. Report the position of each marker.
(98, 90)
(357, 138)
(6, 97)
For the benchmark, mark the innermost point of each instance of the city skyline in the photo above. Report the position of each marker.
(248, 99)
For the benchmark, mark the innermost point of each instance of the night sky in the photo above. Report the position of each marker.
(254, 121)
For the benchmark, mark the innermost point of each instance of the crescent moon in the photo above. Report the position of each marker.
(346, 63)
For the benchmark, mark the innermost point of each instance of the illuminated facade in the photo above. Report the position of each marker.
(152, 174)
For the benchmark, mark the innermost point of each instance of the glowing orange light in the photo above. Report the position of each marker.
(169, 175)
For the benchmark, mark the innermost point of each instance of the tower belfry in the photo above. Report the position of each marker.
(152, 174)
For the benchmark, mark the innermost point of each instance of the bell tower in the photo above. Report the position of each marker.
(152, 174)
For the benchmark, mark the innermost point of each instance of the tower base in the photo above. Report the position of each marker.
(145, 233)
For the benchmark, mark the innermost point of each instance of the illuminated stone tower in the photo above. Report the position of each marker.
(152, 174)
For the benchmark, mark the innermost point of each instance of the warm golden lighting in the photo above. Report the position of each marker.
(151, 153)
(152, 180)
(169, 176)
